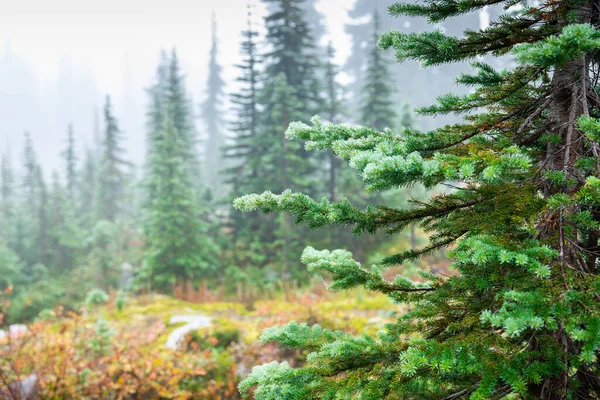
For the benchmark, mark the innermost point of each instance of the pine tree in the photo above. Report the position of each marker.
(32, 223)
(155, 116)
(179, 245)
(410, 78)
(7, 201)
(211, 115)
(377, 105)
(65, 236)
(112, 168)
(520, 318)
(41, 213)
(88, 189)
(177, 102)
(29, 171)
(70, 160)
(244, 144)
(157, 92)
(290, 91)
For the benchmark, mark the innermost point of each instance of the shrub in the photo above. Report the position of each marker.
(96, 297)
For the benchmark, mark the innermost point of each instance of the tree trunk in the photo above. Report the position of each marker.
(571, 89)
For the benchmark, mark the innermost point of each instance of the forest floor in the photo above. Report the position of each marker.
(127, 351)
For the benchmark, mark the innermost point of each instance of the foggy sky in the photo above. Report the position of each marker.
(59, 58)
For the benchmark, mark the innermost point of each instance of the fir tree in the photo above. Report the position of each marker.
(112, 168)
(65, 236)
(7, 201)
(101, 260)
(29, 171)
(179, 246)
(88, 187)
(520, 319)
(32, 224)
(70, 160)
(157, 96)
(377, 105)
(211, 115)
(290, 92)
(155, 116)
(410, 78)
(177, 103)
(41, 227)
(244, 144)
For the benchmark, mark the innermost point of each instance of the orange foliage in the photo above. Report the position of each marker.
(66, 367)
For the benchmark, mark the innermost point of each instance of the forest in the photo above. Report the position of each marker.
(418, 219)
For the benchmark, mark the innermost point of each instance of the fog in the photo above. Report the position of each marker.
(59, 58)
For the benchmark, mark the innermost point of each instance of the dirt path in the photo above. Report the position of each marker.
(192, 323)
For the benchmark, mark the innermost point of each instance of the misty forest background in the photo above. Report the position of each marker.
(103, 219)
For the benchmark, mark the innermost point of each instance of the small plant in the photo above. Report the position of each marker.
(46, 313)
(96, 297)
(121, 301)
(101, 342)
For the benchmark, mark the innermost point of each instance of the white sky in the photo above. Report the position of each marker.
(117, 43)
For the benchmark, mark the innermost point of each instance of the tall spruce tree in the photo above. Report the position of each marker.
(70, 160)
(521, 317)
(290, 91)
(88, 189)
(41, 226)
(29, 170)
(65, 238)
(212, 111)
(410, 77)
(155, 116)
(179, 245)
(377, 105)
(244, 144)
(32, 224)
(112, 169)
(7, 201)
(177, 102)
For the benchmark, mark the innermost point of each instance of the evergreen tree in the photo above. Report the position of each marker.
(65, 236)
(32, 223)
(179, 246)
(29, 172)
(41, 226)
(520, 319)
(7, 201)
(410, 77)
(112, 169)
(377, 105)
(88, 186)
(244, 144)
(155, 116)
(314, 19)
(101, 259)
(177, 102)
(157, 93)
(70, 160)
(211, 115)
(290, 91)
